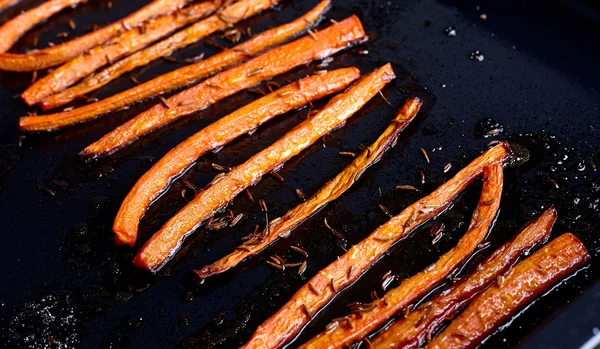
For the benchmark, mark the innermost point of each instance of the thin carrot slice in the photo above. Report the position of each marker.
(330, 191)
(277, 61)
(127, 43)
(525, 282)
(287, 322)
(4, 4)
(236, 12)
(11, 31)
(368, 317)
(157, 251)
(242, 121)
(180, 77)
(417, 328)
(58, 54)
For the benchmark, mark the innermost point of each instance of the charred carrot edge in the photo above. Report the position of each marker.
(418, 326)
(234, 13)
(129, 42)
(366, 318)
(165, 243)
(4, 4)
(281, 227)
(11, 31)
(242, 121)
(272, 63)
(180, 77)
(58, 54)
(525, 282)
(287, 322)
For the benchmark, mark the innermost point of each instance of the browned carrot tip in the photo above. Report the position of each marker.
(277, 61)
(417, 327)
(177, 78)
(165, 243)
(369, 317)
(223, 19)
(330, 191)
(287, 322)
(126, 43)
(522, 284)
(58, 54)
(218, 134)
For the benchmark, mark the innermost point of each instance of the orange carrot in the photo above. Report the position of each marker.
(244, 120)
(234, 13)
(58, 54)
(414, 330)
(177, 78)
(127, 43)
(165, 243)
(330, 191)
(526, 281)
(4, 4)
(287, 322)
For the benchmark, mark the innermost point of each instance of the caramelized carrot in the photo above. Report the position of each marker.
(178, 78)
(277, 61)
(330, 191)
(157, 251)
(58, 54)
(127, 43)
(11, 31)
(417, 328)
(368, 317)
(226, 17)
(242, 121)
(287, 322)
(526, 281)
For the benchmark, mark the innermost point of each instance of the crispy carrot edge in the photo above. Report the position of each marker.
(272, 63)
(226, 17)
(149, 187)
(177, 78)
(525, 282)
(281, 227)
(58, 54)
(419, 325)
(287, 322)
(157, 251)
(368, 317)
(129, 42)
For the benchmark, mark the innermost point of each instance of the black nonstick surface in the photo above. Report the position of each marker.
(65, 284)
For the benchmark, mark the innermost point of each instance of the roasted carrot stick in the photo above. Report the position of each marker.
(11, 31)
(228, 16)
(368, 317)
(180, 77)
(127, 43)
(526, 281)
(4, 4)
(58, 54)
(287, 322)
(330, 191)
(157, 251)
(244, 120)
(417, 328)
(218, 87)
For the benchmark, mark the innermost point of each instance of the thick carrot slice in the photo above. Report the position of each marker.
(526, 281)
(58, 54)
(4, 4)
(127, 43)
(330, 191)
(368, 317)
(277, 61)
(11, 31)
(178, 78)
(287, 322)
(417, 328)
(244, 120)
(232, 14)
(157, 251)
